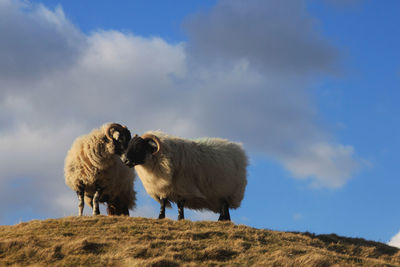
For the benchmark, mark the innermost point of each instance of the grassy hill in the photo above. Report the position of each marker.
(127, 241)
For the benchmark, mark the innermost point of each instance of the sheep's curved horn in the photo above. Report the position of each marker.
(112, 126)
(155, 139)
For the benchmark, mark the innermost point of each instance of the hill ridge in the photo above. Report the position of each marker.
(135, 241)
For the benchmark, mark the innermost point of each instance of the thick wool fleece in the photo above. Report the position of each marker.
(203, 172)
(92, 161)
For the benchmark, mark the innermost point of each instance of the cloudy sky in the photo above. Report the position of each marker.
(309, 87)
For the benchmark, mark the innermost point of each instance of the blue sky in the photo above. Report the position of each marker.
(309, 87)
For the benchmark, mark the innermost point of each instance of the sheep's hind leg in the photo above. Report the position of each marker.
(225, 216)
(81, 196)
(162, 208)
(111, 210)
(180, 204)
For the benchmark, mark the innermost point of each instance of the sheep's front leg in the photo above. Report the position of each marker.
(180, 204)
(162, 208)
(96, 198)
(224, 213)
(81, 196)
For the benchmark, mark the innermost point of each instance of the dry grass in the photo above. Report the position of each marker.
(127, 241)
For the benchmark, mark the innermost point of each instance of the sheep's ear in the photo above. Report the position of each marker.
(116, 135)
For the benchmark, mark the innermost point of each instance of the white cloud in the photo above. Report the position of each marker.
(35, 42)
(322, 160)
(31, 164)
(395, 241)
(65, 83)
(67, 204)
(36, 151)
(271, 35)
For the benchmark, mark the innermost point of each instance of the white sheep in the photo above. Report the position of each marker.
(207, 173)
(94, 170)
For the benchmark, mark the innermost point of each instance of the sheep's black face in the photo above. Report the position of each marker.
(136, 152)
(121, 143)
